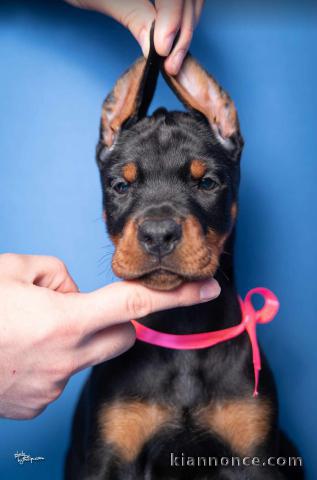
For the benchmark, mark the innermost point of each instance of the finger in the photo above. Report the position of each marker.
(167, 24)
(124, 301)
(136, 15)
(199, 4)
(105, 344)
(41, 270)
(175, 59)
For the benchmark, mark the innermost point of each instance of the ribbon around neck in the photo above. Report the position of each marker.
(250, 318)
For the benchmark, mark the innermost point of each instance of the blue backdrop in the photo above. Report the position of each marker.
(57, 64)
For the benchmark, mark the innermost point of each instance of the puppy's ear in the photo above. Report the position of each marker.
(122, 102)
(200, 92)
(130, 98)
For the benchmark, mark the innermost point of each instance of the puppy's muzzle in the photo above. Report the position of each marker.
(159, 237)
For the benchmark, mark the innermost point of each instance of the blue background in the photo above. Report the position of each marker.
(57, 64)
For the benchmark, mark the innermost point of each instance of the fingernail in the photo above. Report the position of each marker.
(177, 61)
(210, 290)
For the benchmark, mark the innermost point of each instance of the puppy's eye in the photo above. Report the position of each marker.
(120, 186)
(207, 183)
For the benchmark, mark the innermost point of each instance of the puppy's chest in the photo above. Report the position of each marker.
(181, 378)
(179, 391)
(186, 379)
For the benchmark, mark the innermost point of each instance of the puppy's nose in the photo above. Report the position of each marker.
(159, 237)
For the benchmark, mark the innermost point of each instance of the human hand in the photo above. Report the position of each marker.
(170, 18)
(49, 330)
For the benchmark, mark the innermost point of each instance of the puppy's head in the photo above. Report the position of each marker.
(170, 180)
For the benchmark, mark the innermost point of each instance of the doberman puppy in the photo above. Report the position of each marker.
(170, 196)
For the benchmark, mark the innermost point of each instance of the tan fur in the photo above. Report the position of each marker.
(200, 91)
(129, 172)
(128, 425)
(196, 256)
(242, 424)
(121, 103)
(162, 280)
(234, 211)
(129, 259)
(197, 169)
(115, 239)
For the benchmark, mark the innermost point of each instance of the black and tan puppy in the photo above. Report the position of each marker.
(170, 188)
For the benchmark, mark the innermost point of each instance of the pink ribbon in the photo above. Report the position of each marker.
(250, 319)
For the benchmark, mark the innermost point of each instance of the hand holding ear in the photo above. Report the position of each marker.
(171, 17)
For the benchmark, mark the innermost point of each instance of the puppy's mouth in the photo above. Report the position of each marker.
(165, 279)
(161, 279)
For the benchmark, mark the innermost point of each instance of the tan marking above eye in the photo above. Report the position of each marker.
(243, 424)
(128, 425)
(129, 172)
(197, 169)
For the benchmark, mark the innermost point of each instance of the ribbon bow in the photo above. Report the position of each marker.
(250, 318)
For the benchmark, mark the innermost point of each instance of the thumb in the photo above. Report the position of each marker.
(125, 301)
(136, 15)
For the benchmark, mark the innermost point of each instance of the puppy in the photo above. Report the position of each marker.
(170, 196)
